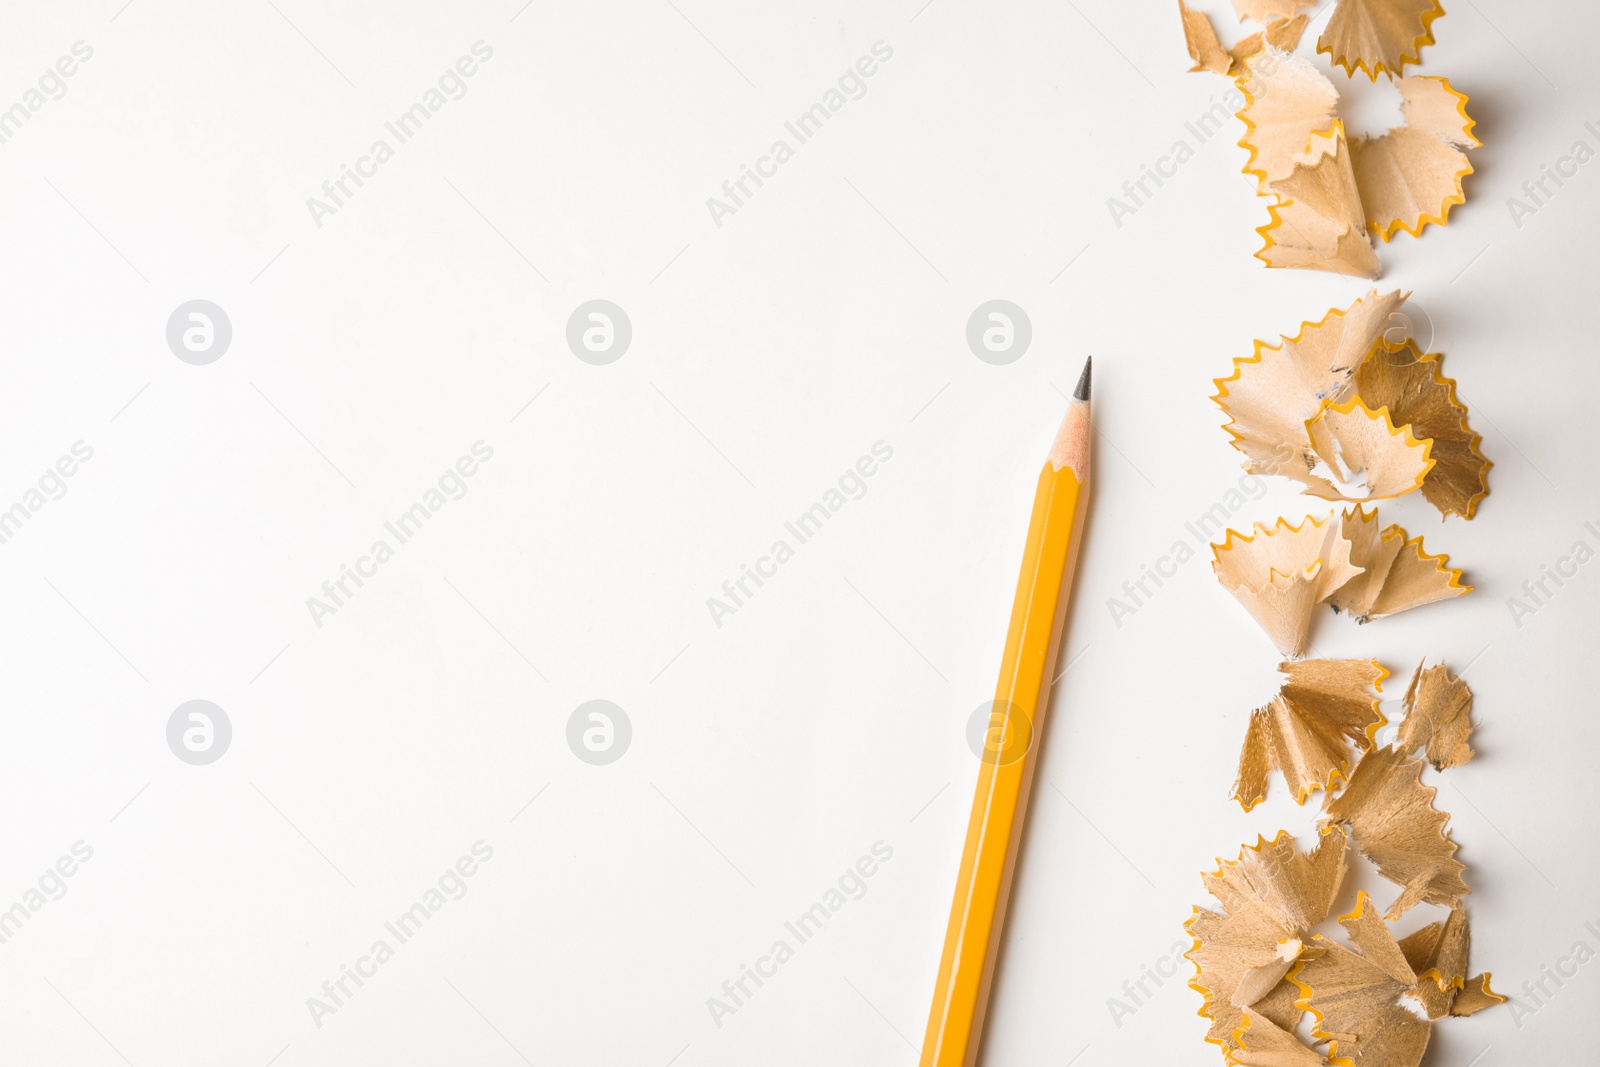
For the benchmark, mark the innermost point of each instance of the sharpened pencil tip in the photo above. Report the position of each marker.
(1082, 391)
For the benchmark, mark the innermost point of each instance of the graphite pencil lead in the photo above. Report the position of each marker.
(1082, 390)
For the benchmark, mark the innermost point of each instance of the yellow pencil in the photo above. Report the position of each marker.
(1006, 771)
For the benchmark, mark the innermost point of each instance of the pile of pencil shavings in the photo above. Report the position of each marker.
(1259, 966)
(1351, 416)
(1325, 191)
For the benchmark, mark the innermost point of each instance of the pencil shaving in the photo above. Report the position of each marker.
(1273, 894)
(1275, 390)
(1407, 382)
(1201, 39)
(1262, 1043)
(1396, 574)
(1414, 579)
(1390, 815)
(1412, 175)
(1317, 222)
(1308, 408)
(1279, 1006)
(1282, 34)
(1438, 955)
(1261, 980)
(1306, 730)
(1352, 439)
(1378, 35)
(1438, 717)
(1372, 549)
(1355, 995)
(1208, 52)
(1475, 996)
(1281, 573)
(1370, 935)
(1434, 105)
(1287, 101)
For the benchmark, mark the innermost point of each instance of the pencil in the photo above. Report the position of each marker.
(1005, 772)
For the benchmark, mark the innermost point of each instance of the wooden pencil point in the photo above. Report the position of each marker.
(1071, 446)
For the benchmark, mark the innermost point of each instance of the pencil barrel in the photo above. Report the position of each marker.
(1005, 774)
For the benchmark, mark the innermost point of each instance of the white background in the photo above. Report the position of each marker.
(769, 353)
